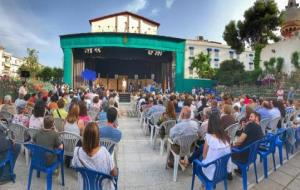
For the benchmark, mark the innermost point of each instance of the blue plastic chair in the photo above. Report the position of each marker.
(267, 147)
(219, 175)
(9, 159)
(297, 136)
(280, 135)
(92, 180)
(252, 149)
(39, 159)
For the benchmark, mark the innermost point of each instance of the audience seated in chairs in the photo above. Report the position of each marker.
(110, 129)
(92, 156)
(37, 118)
(20, 118)
(60, 112)
(8, 105)
(72, 123)
(48, 138)
(185, 127)
(227, 118)
(5, 145)
(251, 132)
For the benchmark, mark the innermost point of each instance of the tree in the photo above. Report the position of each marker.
(295, 60)
(231, 36)
(57, 74)
(31, 62)
(231, 72)
(258, 26)
(279, 64)
(202, 65)
(45, 74)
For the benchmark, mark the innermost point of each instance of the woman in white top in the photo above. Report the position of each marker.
(94, 157)
(37, 119)
(72, 123)
(216, 145)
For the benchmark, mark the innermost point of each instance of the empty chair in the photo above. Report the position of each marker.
(267, 147)
(39, 157)
(185, 143)
(59, 124)
(220, 173)
(69, 140)
(6, 116)
(252, 155)
(231, 131)
(92, 180)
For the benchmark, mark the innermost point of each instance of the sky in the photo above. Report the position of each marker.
(38, 23)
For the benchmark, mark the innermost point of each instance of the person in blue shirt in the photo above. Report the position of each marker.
(158, 107)
(264, 111)
(110, 129)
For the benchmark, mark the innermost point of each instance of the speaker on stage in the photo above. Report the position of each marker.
(25, 74)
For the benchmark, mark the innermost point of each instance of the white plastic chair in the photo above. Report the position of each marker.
(185, 143)
(69, 141)
(273, 124)
(154, 118)
(59, 124)
(231, 131)
(264, 124)
(167, 125)
(108, 144)
(6, 115)
(31, 132)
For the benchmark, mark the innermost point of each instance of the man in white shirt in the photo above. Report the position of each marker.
(22, 89)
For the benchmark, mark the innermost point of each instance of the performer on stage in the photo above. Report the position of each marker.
(124, 85)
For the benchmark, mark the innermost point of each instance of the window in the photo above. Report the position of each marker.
(231, 54)
(209, 51)
(191, 51)
(216, 63)
(217, 52)
(190, 66)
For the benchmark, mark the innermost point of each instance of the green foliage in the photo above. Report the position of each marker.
(45, 74)
(295, 60)
(258, 48)
(230, 73)
(231, 36)
(279, 65)
(57, 74)
(258, 26)
(31, 63)
(202, 65)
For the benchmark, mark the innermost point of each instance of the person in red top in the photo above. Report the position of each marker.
(247, 100)
(32, 100)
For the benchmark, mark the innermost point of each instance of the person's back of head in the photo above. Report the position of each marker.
(61, 103)
(48, 122)
(214, 128)
(91, 138)
(82, 108)
(186, 112)
(96, 100)
(39, 109)
(112, 114)
(7, 99)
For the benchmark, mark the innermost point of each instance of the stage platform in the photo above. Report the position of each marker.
(124, 97)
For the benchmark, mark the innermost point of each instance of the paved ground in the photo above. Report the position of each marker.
(141, 167)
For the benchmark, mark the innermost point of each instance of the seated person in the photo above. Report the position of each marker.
(264, 111)
(5, 145)
(47, 137)
(227, 118)
(60, 112)
(110, 130)
(94, 157)
(157, 108)
(251, 133)
(8, 106)
(20, 118)
(37, 119)
(216, 145)
(185, 127)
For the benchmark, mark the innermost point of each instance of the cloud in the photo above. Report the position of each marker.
(136, 5)
(154, 12)
(21, 29)
(281, 4)
(169, 3)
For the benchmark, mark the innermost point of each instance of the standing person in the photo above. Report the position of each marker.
(95, 157)
(124, 85)
(291, 94)
(23, 89)
(280, 93)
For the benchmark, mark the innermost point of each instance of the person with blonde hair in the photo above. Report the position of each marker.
(227, 118)
(72, 123)
(93, 156)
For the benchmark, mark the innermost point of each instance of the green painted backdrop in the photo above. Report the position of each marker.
(89, 40)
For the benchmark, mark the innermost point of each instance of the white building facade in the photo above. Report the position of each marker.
(9, 64)
(124, 22)
(218, 53)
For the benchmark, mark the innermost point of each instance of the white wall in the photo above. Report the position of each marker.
(284, 49)
(124, 23)
(218, 54)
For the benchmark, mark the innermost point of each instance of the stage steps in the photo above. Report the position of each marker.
(124, 97)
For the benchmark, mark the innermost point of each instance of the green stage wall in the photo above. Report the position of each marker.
(91, 40)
